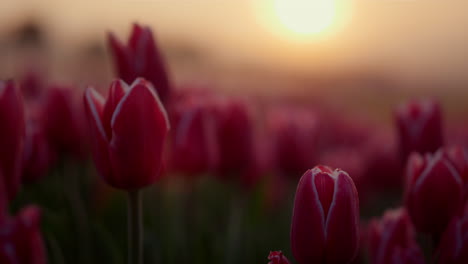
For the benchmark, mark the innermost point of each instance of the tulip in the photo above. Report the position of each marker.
(325, 221)
(419, 126)
(453, 248)
(392, 240)
(434, 191)
(459, 157)
(21, 240)
(277, 257)
(11, 138)
(140, 58)
(64, 122)
(128, 133)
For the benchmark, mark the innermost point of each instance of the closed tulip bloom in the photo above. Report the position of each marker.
(128, 133)
(453, 248)
(434, 191)
(11, 137)
(277, 257)
(392, 240)
(419, 126)
(21, 239)
(140, 58)
(459, 157)
(325, 221)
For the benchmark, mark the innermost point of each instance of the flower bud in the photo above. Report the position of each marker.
(277, 257)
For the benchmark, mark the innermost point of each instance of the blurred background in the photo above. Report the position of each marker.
(358, 58)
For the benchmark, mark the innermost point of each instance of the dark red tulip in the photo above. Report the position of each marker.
(325, 221)
(195, 147)
(11, 137)
(453, 248)
(64, 122)
(434, 191)
(419, 125)
(459, 157)
(140, 58)
(295, 139)
(21, 240)
(277, 257)
(392, 240)
(128, 133)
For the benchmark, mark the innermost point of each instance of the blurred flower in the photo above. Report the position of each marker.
(434, 191)
(32, 84)
(11, 137)
(325, 221)
(392, 240)
(21, 240)
(459, 157)
(195, 146)
(277, 257)
(128, 133)
(64, 122)
(140, 58)
(453, 248)
(419, 125)
(295, 132)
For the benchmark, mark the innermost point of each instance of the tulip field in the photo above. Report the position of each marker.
(146, 171)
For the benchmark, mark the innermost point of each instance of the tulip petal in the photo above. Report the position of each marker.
(121, 59)
(116, 93)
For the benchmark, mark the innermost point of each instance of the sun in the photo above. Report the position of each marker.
(305, 17)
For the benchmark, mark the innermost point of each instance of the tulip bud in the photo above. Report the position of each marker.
(64, 122)
(434, 191)
(21, 240)
(392, 240)
(128, 133)
(11, 137)
(277, 257)
(459, 157)
(140, 58)
(419, 126)
(453, 248)
(325, 221)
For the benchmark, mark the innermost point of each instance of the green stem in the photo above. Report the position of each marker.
(135, 228)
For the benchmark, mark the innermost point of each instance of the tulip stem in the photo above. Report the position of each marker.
(135, 228)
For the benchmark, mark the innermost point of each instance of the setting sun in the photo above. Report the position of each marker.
(305, 17)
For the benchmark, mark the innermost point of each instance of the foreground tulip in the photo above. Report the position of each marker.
(392, 240)
(453, 248)
(21, 240)
(128, 134)
(325, 221)
(277, 257)
(434, 192)
(140, 58)
(11, 138)
(419, 126)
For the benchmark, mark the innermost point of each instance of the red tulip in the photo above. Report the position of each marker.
(11, 137)
(21, 240)
(277, 257)
(453, 248)
(392, 240)
(459, 157)
(434, 191)
(325, 221)
(128, 133)
(195, 147)
(64, 122)
(419, 126)
(141, 58)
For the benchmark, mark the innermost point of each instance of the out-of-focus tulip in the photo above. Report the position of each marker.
(21, 240)
(419, 125)
(128, 133)
(64, 122)
(459, 157)
(325, 221)
(141, 58)
(32, 85)
(434, 191)
(453, 248)
(195, 147)
(277, 257)
(295, 139)
(392, 240)
(11, 137)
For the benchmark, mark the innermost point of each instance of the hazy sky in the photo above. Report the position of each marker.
(413, 38)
